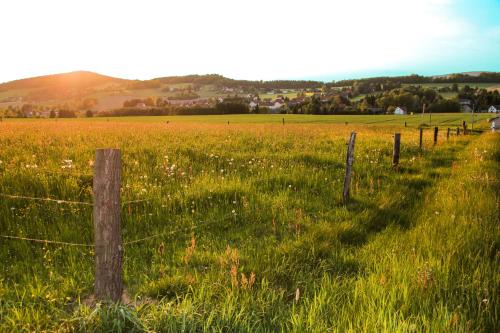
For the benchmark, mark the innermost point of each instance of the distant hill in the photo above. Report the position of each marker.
(84, 89)
(75, 80)
(61, 86)
(474, 74)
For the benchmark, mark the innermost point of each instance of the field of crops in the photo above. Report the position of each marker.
(251, 234)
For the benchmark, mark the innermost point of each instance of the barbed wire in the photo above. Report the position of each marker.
(59, 201)
(54, 172)
(45, 241)
(135, 241)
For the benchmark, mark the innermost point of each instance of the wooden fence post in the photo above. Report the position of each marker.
(464, 125)
(448, 134)
(107, 230)
(421, 137)
(283, 121)
(405, 123)
(395, 152)
(348, 167)
(458, 131)
(436, 135)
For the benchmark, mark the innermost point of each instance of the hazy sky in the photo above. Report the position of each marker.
(259, 39)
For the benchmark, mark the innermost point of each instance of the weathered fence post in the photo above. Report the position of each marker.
(458, 131)
(283, 121)
(464, 125)
(436, 135)
(448, 134)
(107, 231)
(405, 123)
(348, 167)
(395, 153)
(421, 137)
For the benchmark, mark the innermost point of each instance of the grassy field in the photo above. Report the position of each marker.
(440, 119)
(254, 236)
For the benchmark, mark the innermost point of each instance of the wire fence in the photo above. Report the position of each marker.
(132, 242)
(45, 241)
(71, 202)
(61, 201)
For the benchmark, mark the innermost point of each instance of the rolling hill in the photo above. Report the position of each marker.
(75, 89)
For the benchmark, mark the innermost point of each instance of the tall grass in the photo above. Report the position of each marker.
(253, 233)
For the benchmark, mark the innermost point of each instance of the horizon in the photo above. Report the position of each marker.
(237, 79)
(261, 42)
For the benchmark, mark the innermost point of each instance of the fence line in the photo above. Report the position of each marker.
(45, 171)
(45, 241)
(106, 218)
(12, 196)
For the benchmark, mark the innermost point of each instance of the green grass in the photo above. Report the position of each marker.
(442, 120)
(415, 249)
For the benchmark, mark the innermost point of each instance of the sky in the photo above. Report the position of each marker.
(257, 40)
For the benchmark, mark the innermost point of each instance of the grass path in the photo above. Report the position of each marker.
(440, 274)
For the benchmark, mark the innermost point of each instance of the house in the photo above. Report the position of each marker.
(495, 124)
(276, 106)
(494, 109)
(400, 110)
(253, 104)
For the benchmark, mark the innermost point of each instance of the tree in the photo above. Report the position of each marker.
(66, 114)
(89, 114)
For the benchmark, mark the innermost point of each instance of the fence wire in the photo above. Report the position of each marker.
(135, 241)
(45, 241)
(59, 201)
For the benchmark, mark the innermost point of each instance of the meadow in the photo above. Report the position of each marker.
(251, 234)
